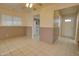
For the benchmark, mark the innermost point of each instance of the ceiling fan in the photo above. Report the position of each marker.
(34, 6)
(30, 6)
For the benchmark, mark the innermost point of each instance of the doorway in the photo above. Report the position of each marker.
(69, 26)
(36, 27)
(67, 19)
(68, 22)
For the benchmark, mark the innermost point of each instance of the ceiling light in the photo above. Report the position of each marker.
(31, 5)
(27, 5)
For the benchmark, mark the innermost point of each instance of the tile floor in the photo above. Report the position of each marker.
(23, 46)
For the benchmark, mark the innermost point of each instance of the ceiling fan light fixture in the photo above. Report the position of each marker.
(29, 5)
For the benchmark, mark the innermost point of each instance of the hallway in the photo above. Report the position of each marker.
(23, 46)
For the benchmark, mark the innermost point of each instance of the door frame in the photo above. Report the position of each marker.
(35, 18)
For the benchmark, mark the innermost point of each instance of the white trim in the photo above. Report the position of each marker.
(76, 27)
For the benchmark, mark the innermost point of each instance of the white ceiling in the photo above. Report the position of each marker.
(12, 5)
(21, 6)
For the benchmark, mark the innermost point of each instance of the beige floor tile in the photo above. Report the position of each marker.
(23, 46)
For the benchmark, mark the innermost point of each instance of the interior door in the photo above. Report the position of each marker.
(69, 26)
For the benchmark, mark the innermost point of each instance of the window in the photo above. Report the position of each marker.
(67, 20)
(7, 20)
(17, 21)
